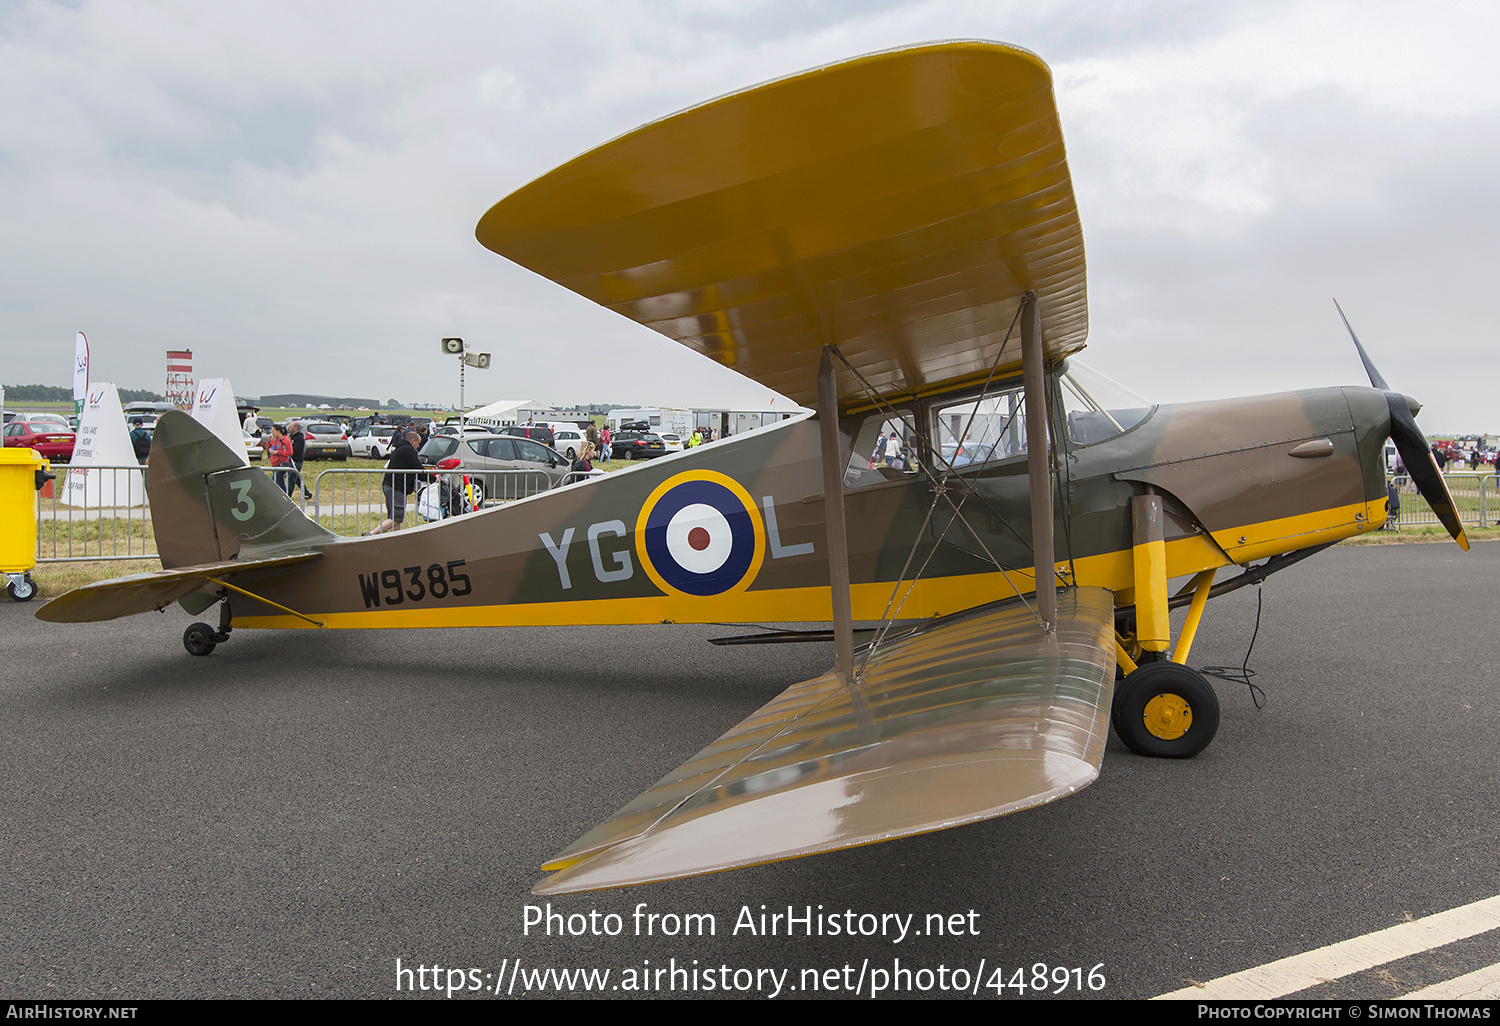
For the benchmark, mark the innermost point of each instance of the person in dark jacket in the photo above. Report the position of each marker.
(299, 447)
(140, 439)
(395, 484)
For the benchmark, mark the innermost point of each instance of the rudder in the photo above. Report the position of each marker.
(208, 506)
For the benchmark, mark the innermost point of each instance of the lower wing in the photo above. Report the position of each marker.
(980, 715)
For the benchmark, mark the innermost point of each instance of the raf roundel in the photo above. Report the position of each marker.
(700, 534)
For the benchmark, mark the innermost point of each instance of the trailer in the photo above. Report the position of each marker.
(657, 420)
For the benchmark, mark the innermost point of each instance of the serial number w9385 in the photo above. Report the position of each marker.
(394, 587)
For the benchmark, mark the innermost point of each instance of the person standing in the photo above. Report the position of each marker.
(279, 453)
(893, 452)
(299, 450)
(250, 425)
(399, 480)
(585, 461)
(140, 440)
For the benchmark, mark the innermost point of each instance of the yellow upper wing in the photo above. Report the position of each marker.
(896, 205)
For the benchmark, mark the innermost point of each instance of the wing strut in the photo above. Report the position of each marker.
(1034, 379)
(833, 510)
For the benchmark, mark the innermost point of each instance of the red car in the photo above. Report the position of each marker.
(45, 436)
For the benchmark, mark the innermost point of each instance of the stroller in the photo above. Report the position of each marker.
(442, 499)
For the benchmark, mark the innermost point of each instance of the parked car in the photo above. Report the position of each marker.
(535, 432)
(675, 443)
(568, 441)
(638, 445)
(501, 466)
(253, 447)
(45, 436)
(374, 441)
(324, 440)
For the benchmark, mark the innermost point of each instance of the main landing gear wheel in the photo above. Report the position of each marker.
(200, 639)
(23, 590)
(1165, 710)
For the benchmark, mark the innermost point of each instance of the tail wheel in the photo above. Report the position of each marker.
(199, 639)
(1165, 710)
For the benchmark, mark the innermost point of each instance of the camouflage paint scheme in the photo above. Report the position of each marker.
(1233, 493)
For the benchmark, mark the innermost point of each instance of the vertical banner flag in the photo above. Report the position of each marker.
(213, 407)
(80, 373)
(103, 443)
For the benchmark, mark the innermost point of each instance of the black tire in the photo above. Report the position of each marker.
(25, 591)
(1165, 710)
(199, 639)
(572, 454)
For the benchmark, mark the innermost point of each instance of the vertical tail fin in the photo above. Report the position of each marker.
(207, 506)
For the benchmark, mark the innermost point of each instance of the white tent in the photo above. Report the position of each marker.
(507, 411)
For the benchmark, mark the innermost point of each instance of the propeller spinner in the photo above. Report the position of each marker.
(1416, 454)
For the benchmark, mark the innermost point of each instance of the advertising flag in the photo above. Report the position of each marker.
(80, 372)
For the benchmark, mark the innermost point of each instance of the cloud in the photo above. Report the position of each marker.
(290, 190)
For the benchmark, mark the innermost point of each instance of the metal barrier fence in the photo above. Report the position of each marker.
(91, 513)
(1475, 497)
(101, 513)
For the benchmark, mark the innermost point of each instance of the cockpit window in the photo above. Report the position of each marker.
(981, 430)
(1098, 408)
(885, 450)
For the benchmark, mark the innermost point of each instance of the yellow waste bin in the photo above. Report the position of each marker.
(22, 473)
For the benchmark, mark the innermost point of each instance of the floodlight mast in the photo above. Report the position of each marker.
(456, 347)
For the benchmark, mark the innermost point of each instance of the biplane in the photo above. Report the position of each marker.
(893, 242)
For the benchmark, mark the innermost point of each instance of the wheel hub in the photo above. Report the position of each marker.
(1168, 716)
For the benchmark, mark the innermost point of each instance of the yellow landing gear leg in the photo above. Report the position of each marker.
(1162, 708)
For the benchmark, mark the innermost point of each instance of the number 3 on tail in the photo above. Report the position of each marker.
(241, 491)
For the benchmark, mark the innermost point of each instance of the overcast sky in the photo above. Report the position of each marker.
(290, 189)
